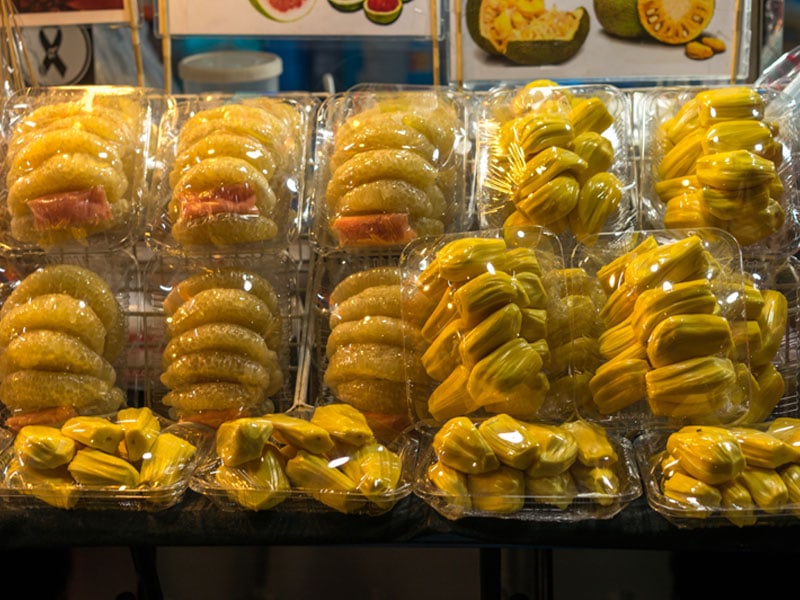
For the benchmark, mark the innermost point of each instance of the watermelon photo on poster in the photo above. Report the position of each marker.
(596, 39)
(69, 12)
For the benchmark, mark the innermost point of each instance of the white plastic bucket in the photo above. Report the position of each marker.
(230, 71)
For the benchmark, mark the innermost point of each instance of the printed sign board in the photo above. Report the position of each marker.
(70, 12)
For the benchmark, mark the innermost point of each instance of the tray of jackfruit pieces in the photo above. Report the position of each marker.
(319, 459)
(133, 459)
(711, 476)
(503, 467)
(722, 157)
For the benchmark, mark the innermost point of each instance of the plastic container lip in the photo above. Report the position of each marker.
(230, 66)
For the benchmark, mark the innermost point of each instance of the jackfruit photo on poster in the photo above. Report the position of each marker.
(596, 39)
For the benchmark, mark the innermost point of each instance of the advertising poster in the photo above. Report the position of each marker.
(591, 40)
(411, 18)
(70, 12)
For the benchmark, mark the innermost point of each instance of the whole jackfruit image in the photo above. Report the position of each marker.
(500, 491)
(708, 453)
(460, 445)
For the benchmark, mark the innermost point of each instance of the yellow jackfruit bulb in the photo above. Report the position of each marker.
(610, 274)
(590, 114)
(786, 429)
(574, 315)
(600, 196)
(600, 482)
(745, 392)
(734, 170)
(679, 161)
(94, 432)
(766, 487)
(687, 211)
(524, 401)
(452, 483)
(430, 281)
(670, 465)
(653, 305)
(481, 296)
(690, 388)
(790, 475)
(242, 440)
(751, 228)
(468, 257)
(531, 288)
(746, 338)
(539, 131)
(735, 134)
(681, 337)
(672, 262)
(711, 454)
(258, 484)
(546, 166)
(620, 343)
(728, 103)
(450, 398)
(726, 205)
(772, 321)
(752, 301)
(581, 354)
(522, 260)
(737, 503)
(556, 490)
(499, 491)
(618, 384)
(313, 475)
(299, 433)
(376, 471)
(459, 444)
(495, 330)
(168, 461)
(619, 305)
(141, 427)
(43, 447)
(763, 450)
(344, 422)
(575, 281)
(558, 450)
(596, 149)
(669, 189)
(510, 440)
(97, 468)
(533, 324)
(552, 201)
(443, 313)
(683, 122)
(442, 356)
(770, 388)
(504, 372)
(594, 447)
(699, 498)
(55, 486)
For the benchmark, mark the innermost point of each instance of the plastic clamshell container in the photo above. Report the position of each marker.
(338, 480)
(75, 166)
(57, 487)
(668, 379)
(106, 282)
(230, 174)
(171, 282)
(507, 492)
(695, 504)
(669, 120)
(524, 125)
(391, 164)
(495, 336)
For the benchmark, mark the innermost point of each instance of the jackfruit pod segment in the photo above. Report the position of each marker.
(680, 159)
(725, 205)
(498, 491)
(535, 132)
(699, 498)
(734, 170)
(581, 354)
(495, 330)
(532, 292)
(670, 189)
(686, 336)
(543, 348)
(790, 475)
(786, 429)
(450, 398)
(575, 281)
(546, 166)
(618, 384)
(596, 149)
(738, 134)
(697, 387)
(687, 211)
(600, 482)
(763, 450)
(708, 453)
(619, 305)
(750, 302)
(767, 389)
(683, 122)
(746, 338)
(620, 343)
(258, 484)
(299, 433)
(97, 468)
(429, 281)
(314, 475)
(745, 393)
(654, 305)
(600, 196)
(140, 427)
(443, 313)
(672, 262)
(167, 462)
(558, 450)
(574, 315)
(552, 201)
(55, 486)
(610, 274)
(728, 104)
(522, 260)
(376, 471)
(766, 487)
(737, 503)
(510, 440)
(94, 432)
(523, 401)
(502, 370)
(569, 391)
(590, 114)
(670, 465)
(556, 490)
(43, 447)
(750, 229)
(533, 324)
(481, 296)
(772, 321)
(452, 483)
(468, 257)
(417, 306)
(241, 440)
(459, 445)
(344, 423)
(594, 447)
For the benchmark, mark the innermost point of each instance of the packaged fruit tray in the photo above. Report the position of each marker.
(390, 165)
(311, 459)
(712, 476)
(723, 157)
(133, 459)
(556, 156)
(502, 467)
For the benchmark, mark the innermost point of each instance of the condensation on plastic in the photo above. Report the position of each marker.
(406, 182)
(505, 103)
(722, 269)
(80, 155)
(246, 184)
(657, 106)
